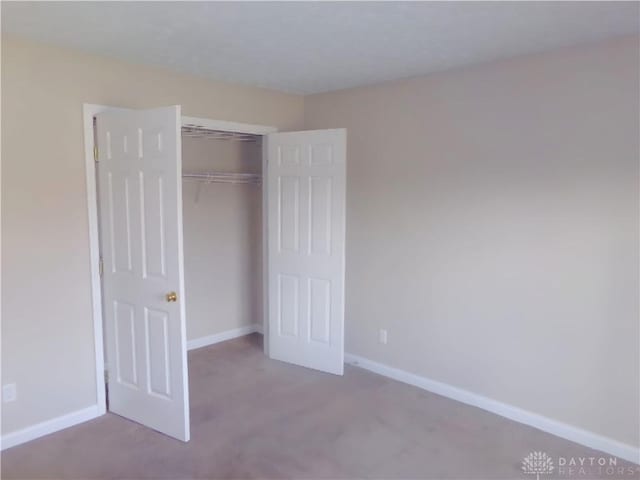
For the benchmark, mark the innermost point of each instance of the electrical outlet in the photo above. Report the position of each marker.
(9, 393)
(382, 336)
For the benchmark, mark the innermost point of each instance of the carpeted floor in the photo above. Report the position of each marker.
(252, 417)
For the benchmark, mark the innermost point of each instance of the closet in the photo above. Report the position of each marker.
(206, 227)
(222, 229)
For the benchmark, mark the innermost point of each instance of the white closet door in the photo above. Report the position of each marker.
(306, 176)
(140, 194)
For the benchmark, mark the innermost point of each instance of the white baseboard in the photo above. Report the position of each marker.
(555, 427)
(45, 428)
(222, 336)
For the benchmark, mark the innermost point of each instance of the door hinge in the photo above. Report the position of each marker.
(95, 153)
(106, 376)
(100, 267)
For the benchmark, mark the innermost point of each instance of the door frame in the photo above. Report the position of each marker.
(89, 111)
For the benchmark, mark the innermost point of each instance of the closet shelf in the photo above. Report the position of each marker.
(197, 131)
(218, 177)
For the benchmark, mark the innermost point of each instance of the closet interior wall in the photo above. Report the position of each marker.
(222, 225)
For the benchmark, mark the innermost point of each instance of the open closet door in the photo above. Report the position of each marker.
(305, 197)
(140, 195)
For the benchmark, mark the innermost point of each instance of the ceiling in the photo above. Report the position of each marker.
(311, 47)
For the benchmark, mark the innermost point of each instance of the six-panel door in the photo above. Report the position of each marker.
(306, 176)
(140, 201)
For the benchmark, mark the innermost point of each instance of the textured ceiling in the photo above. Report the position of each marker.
(309, 47)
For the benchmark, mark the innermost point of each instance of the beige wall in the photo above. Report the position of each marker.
(47, 332)
(492, 229)
(492, 223)
(222, 227)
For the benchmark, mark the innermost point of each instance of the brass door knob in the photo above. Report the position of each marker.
(172, 297)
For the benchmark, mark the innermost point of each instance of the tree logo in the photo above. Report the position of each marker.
(537, 463)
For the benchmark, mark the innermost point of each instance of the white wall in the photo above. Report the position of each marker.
(47, 328)
(492, 229)
(222, 238)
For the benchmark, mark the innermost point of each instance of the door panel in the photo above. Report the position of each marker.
(306, 178)
(140, 201)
